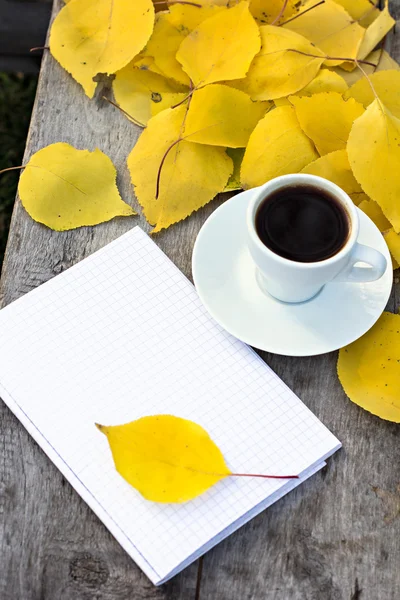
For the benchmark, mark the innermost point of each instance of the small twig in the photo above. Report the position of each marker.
(285, 3)
(123, 111)
(344, 59)
(39, 48)
(368, 79)
(178, 2)
(12, 168)
(303, 13)
(186, 98)
(263, 476)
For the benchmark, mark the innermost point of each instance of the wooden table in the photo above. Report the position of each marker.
(337, 537)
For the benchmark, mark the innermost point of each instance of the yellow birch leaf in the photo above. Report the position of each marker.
(369, 369)
(376, 32)
(65, 188)
(277, 146)
(99, 36)
(266, 11)
(325, 81)
(374, 212)
(387, 87)
(374, 154)
(170, 29)
(146, 63)
(191, 174)
(136, 91)
(331, 28)
(362, 11)
(282, 67)
(236, 154)
(327, 119)
(222, 47)
(393, 241)
(380, 58)
(166, 458)
(336, 167)
(222, 116)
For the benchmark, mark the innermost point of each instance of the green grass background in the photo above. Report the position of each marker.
(17, 93)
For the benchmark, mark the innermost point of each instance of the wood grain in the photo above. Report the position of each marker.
(327, 540)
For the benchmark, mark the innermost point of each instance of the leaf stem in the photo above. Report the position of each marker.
(124, 111)
(12, 169)
(285, 3)
(178, 2)
(342, 58)
(162, 164)
(39, 48)
(302, 13)
(263, 476)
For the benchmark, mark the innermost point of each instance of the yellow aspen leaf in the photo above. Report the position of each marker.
(362, 11)
(369, 369)
(387, 87)
(65, 188)
(222, 116)
(146, 63)
(166, 458)
(222, 47)
(267, 11)
(142, 93)
(374, 211)
(236, 154)
(99, 36)
(376, 32)
(374, 154)
(282, 67)
(380, 58)
(191, 174)
(277, 146)
(325, 81)
(170, 29)
(327, 119)
(393, 241)
(331, 28)
(335, 166)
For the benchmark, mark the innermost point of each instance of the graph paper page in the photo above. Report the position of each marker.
(121, 335)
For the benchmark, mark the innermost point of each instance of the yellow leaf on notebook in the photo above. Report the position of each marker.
(99, 36)
(189, 174)
(170, 29)
(166, 458)
(283, 66)
(222, 116)
(374, 211)
(65, 188)
(369, 369)
(331, 28)
(142, 93)
(376, 32)
(222, 47)
(277, 146)
(386, 85)
(374, 154)
(336, 168)
(393, 241)
(327, 119)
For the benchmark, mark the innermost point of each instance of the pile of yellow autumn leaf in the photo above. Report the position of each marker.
(231, 93)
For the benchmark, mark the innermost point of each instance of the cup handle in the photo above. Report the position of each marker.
(365, 254)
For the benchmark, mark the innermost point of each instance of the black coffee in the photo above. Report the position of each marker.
(302, 223)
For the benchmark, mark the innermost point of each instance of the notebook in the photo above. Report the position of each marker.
(121, 335)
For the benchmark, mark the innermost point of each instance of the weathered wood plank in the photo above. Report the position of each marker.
(328, 540)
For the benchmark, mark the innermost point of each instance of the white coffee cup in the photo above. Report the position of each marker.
(292, 281)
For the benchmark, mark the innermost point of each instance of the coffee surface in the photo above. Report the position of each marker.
(302, 223)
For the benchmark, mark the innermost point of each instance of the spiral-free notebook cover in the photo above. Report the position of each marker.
(121, 335)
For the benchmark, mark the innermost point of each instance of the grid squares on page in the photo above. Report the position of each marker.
(123, 334)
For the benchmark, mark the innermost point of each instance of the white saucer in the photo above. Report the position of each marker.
(224, 276)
